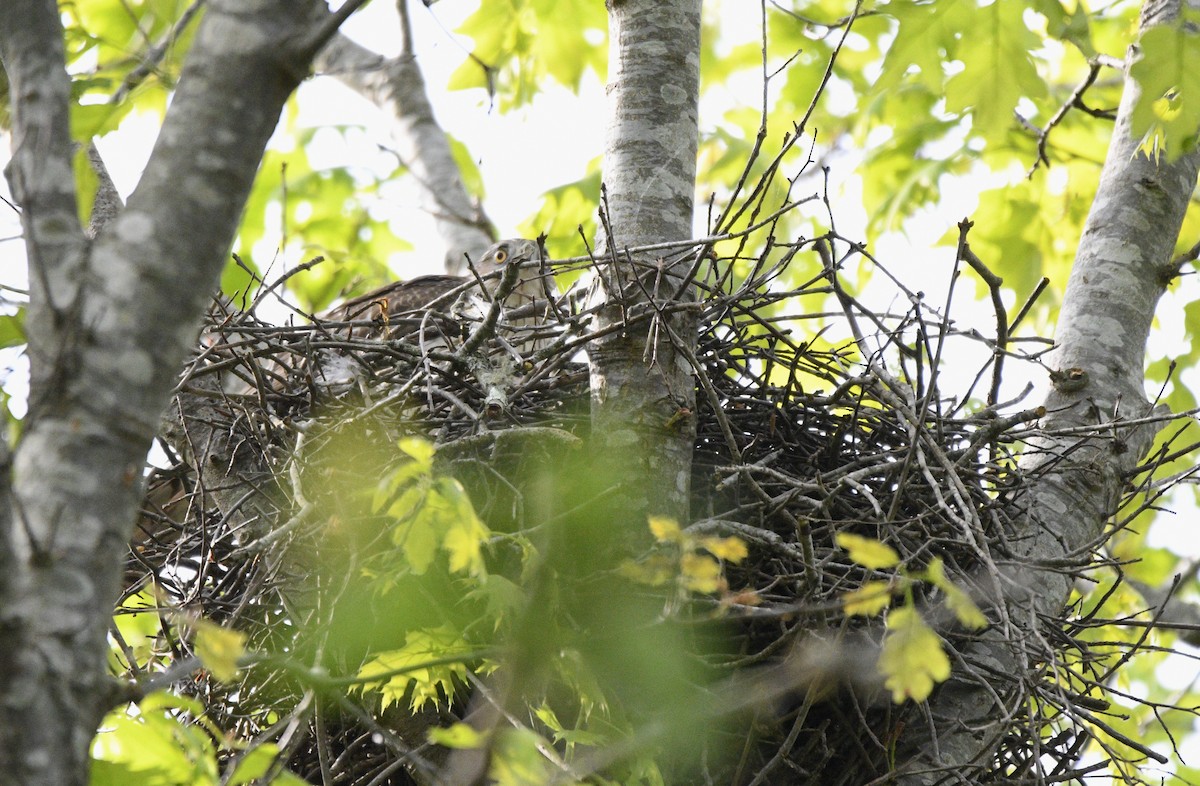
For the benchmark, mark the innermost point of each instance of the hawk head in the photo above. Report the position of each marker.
(514, 251)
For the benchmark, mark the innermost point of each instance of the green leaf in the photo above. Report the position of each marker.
(998, 70)
(491, 27)
(468, 168)
(419, 450)
(430, 513)
(1168, 109)
(148, 744)
(239, 280)
(868, 552)
(562, 734)
(521, 43)
(1014, 222)
(501, 597)
(466, 533)
(139, 623)
(958, 601)
(254, 764)
(393, 483)
(561, 41)
(460, 736)
(418, 537)
(565, 212)
(163, 700)
(1073, 27)
(902, 175)
(219, 649)
(868, 600)
(92, 120)
(912, 659)
(926, 36)
(12, 329)
(300, 213)
(1153, 566)
(429, 683)
(517, 759)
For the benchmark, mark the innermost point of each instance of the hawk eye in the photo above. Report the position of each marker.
(501, 255)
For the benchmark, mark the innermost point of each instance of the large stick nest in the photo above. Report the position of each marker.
(815, 416)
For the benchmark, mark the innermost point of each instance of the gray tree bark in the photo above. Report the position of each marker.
(397, 85)
(643, 388)
(1078, 470)
(109, 324)
(642, 384)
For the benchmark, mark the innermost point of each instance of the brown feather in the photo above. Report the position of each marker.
(434, 292)
(399, 297)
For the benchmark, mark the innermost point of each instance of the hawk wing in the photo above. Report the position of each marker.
(398, 299)
(373, 312)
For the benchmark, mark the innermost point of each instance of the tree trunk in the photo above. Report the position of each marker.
(1122, 266)
(643, 389)
(109, 325)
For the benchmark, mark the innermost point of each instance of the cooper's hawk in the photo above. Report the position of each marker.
(389, 303)
(451, 313)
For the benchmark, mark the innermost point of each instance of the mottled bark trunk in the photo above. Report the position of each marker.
(397, 86)
(643, 394)
(1121, 268)
(109, 325)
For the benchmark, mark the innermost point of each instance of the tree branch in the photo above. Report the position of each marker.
(108, 203)
(398, 85)
(1077, 479)
(109, 328)
(31, 46)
